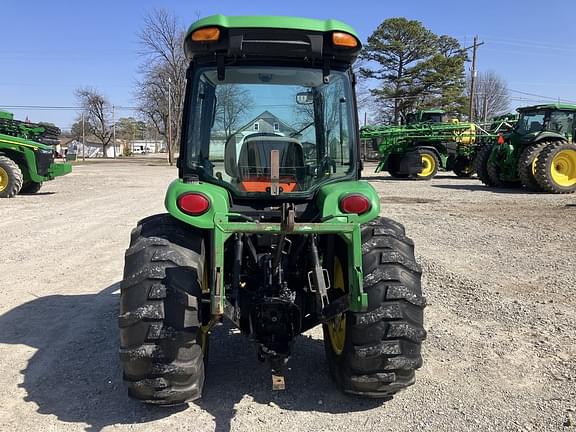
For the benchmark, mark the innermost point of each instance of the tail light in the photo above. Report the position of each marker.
(193, 203)
(206, 34)
(355, 203)
(500, 139)
(344, 40)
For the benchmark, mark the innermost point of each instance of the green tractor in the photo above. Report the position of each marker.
(539, 153)
(268, 225)
(426, 143)
(27, 156)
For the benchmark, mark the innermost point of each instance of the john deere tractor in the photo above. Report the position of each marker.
(27, 156)
(426, 143)
(539, 153)
(268, 224)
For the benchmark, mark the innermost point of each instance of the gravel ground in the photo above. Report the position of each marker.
(501, 320)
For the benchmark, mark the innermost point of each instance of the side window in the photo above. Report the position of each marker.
(337, 126)
(256, 126)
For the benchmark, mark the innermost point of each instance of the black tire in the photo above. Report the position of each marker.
(394, 167)
(161, 342)
(480, 164)
(10, 178)
(382, 346)
(525, 165)
(463, 167)
(431, 155)
(494, 171)
(548, 160)
(30, 188)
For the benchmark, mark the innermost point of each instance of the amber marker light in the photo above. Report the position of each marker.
(344, 40)
(206, 34)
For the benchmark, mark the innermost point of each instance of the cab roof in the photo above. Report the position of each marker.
(272, 22)
(272, 37)
(556, 106)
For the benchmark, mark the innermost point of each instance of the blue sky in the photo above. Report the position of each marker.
(49, 48)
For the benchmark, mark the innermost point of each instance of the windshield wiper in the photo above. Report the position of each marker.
(293, 134)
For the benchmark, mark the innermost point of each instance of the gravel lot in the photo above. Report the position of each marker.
(499, 276)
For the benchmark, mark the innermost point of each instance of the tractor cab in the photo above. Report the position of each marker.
(547, 119)
(269, 113)
(426, 116)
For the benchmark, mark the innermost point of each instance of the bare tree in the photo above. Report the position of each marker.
(492, 96)
(233, 103)
(96, 110)
(163, 71)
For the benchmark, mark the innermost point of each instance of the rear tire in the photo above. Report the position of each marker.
(10, 178)
(463, 167)
(30, 188)
(556, 168)
(526, 165)
(480, 164)
(161, 343)
(494, 174)
(430, 164)
(382, 345)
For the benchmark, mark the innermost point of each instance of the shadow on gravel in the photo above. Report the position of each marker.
(36, 193)
(75, 373)
(481, 187)
(234, 373)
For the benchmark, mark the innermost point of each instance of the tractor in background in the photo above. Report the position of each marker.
(539, 153)
(27, 156)
(425, 144)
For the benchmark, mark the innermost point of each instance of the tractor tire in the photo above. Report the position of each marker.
(480, 164)
(556, 168)
(30, 188)
(394, 168)
(527, 165)
(494, 171)
(10, 178)
(162, 345)
(380, 349)
(463, 167)
(430, 164)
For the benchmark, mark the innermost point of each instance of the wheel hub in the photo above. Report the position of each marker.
(3, 179)
(337, 325)
(563, 168)
(428, 165)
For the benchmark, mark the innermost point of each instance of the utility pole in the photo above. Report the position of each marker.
(473, 77)
(169, 121)
(113, 132)
(83, 140)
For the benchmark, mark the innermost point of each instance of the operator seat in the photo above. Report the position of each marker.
(254, 162)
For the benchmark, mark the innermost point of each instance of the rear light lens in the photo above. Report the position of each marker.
(206, 34)
(500, 139)
(194, 204)
(344, 40)
(354, 203)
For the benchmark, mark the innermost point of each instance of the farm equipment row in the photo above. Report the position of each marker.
(26, 156)
(429, 143)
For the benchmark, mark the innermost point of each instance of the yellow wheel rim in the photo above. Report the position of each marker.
(563, 168)
(428, 165)
(534, 166)
(3, 179)
(337, 325)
